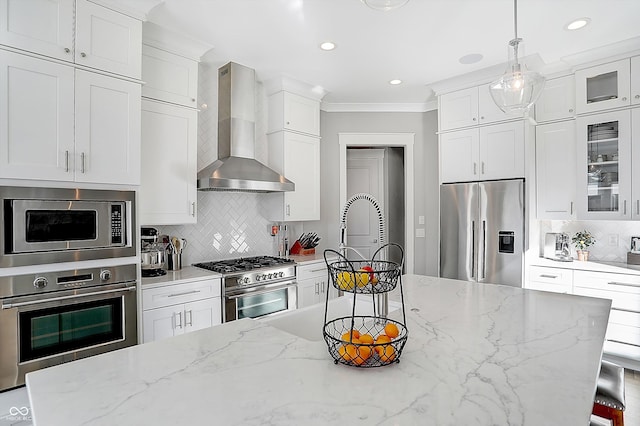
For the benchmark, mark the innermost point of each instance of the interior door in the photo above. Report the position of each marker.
(459, 224)
(501, 231)
(365, 174)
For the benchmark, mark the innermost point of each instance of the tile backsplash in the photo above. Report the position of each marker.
(606, 248)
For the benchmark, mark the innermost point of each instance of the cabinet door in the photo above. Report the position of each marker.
(603, 86)
(556, 170)
(302, 167)
(604, 166)
(458, 109)
(169, 77)
(557, 101)
(107, 112)
(308, 292)
(502, 151)
(39, 26)
(168, 192)
(635, 80)
(108, 40)
(202, 314)
(36, 118)
(556, 280)
(459, 156)
(162, 323)
(635, 158)
(288, 111)
(488, 111)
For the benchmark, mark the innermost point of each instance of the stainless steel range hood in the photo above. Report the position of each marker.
(236, 168)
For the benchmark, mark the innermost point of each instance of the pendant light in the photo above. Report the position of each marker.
(384, 5)
(518, 89)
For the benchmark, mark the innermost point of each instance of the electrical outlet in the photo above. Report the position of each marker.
(613, 239)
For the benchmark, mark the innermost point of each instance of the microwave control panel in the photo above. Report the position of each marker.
(116, 224)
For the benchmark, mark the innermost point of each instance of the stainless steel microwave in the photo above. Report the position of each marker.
(52, 225)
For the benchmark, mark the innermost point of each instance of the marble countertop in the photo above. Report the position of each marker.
(186, 274)
(311, 258)
(476, 355)
(596, 266)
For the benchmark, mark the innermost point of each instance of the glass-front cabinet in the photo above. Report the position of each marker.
(604, 166)
(604, 86)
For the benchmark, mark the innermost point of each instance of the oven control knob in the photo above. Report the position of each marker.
(258, 277)
(270, 276)
(280, 274)
(247, 280)
(105, 275)
(40, 282)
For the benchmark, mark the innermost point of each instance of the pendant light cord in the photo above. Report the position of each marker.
(515, 18)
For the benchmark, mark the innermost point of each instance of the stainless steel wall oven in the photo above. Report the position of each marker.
(52, 225)
(51, 318)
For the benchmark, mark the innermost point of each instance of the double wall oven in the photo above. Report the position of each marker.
(255, 286)
(54, 307)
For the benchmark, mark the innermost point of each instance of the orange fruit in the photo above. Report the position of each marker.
(346, 337)
(380, 340)
(364, 352)
(367, 339)
(348, 352)
(387, 354)
(391, 330)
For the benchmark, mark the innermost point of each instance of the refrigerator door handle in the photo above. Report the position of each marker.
(484, 249)
(473, 248)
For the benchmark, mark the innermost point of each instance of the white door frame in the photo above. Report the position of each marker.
(373, 140)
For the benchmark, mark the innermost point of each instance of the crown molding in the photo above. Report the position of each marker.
(379, 107)
(287, 84)
(162, 38)
(140, 11)
(610, 52)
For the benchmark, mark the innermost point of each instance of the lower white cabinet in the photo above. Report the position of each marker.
(180, 308)
(313, 284)
(550, 279)
(168, 192)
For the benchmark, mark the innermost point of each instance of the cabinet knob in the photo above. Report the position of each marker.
(482, 117)
(84, 55)
(67, 50)
(193, 99)
(637, 96)
(570, 109)
(624, 98)
(288, 122)
(40, 282)
(474, 119)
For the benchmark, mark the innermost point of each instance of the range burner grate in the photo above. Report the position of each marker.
(243, 264)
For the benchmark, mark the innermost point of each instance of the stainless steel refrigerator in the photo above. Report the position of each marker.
(482, 231)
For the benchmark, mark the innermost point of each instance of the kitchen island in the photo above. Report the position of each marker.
(476, 355)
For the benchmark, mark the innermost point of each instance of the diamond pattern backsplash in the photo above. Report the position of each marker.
(229, 226)
(602, 230)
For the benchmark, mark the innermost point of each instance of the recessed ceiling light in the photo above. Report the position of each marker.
(395, 82)
(577, 24)
(471, 58)
(327, 45)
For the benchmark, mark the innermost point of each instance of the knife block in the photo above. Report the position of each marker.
(296, 248)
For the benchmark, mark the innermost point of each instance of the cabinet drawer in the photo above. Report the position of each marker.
(605, 281)
(314, 270)
(619, 300)
(623, 334)
(541, 274)
(180, 293)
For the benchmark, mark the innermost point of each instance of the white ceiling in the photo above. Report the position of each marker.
(419, 43)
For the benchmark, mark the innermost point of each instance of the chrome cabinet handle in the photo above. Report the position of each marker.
(193, 209)
(571, 207)
(184, 293)
(323, 287)
(84, 55)
(66, 161)
(178, 315)
(188, 321)
(638, 207)
(473, 248)
(73, 296)
(82, 168)
(624, 207)
(475, 168)
(317, 288)
(484, 248)
(548, 276)
(482, 167)
(67, 50)
(288, 209)
(623, 284)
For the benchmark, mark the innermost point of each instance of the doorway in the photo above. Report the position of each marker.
(398, 189)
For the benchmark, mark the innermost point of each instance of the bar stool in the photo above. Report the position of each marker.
(609, 401)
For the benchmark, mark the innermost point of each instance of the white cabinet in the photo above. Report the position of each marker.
(288, 111)
(43, 106)
(169, 77)
(490, 152)
(39, 26)
(313, 284)
(103, 39)
(604, 166)
(635, 161)
(168, 192)
(556, 170)
(556, 280)
(180, 308)
(604, 86)
(557, 101)
(107, 112)
(297, 157)
(635, 80)
(469, 107)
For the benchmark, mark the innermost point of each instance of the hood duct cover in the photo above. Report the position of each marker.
(236, 168)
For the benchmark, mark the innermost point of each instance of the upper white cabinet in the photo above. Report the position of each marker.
(604, 166)
(556, 170)
(469, 107)
(557, 101)
(67, 125)
(168, 192)
(169, 77)
(289, 111)
(102, 38)
(491, 152)
(635, 80)
(39, 26)
(604, 86)
(635, 159)
(297, 157)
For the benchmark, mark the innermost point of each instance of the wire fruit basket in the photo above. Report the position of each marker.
(365, 340)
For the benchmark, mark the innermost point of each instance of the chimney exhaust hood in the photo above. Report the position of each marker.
(236, 168)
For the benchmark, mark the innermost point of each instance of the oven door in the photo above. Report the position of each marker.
(261, 301)
(47, 225)
(45, 330)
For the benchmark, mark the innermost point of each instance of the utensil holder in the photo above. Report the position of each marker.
(174, 261)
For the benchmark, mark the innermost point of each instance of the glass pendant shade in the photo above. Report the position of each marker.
(385, 5)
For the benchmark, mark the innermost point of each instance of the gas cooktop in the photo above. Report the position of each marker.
(243, 264)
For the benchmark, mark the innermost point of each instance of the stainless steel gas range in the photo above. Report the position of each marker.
(255, 286)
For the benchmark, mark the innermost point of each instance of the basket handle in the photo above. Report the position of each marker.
(340, 259)
(392, 245)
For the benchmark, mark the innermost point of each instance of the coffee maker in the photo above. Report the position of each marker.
(556, 246)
